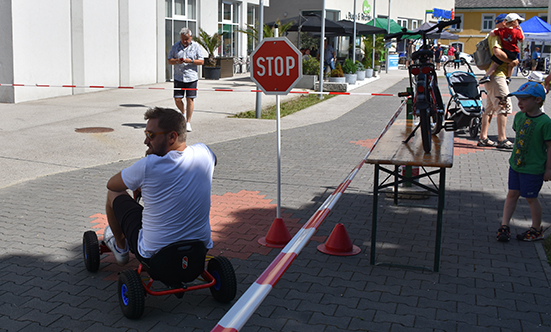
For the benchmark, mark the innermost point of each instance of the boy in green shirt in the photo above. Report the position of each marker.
(530, 162)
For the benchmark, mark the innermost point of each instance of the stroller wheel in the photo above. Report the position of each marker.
(474, 127)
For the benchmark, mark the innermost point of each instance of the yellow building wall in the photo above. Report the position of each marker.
(472, 24)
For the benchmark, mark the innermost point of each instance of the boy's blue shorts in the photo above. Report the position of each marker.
(529, 185)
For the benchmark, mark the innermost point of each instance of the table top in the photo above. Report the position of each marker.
(392, 151)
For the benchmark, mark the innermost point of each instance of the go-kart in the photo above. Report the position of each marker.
(179, 266)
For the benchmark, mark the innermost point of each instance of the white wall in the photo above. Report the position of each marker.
(41, 47)
(79, 42)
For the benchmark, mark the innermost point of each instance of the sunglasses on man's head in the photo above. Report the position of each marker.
(151, 135)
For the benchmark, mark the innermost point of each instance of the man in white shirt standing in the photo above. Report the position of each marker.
(175, 183)
(185, 55)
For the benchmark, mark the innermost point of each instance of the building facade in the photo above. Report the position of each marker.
(407, 13)
(106, 42)
(478, 18)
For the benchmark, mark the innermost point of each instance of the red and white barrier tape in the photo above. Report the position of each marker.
(247, 304)
(216, 90)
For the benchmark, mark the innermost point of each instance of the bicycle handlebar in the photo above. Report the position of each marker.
(440, 26)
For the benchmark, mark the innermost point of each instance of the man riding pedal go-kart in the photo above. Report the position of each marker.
(170, 234)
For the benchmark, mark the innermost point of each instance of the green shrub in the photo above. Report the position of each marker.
(349, 67)
(337, 72)
(310, 66)
(359, 66)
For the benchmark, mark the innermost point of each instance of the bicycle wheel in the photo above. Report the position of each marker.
(425, 129)
(436, 118)
(525, 71)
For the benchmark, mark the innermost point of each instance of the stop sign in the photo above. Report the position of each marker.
(276, 66)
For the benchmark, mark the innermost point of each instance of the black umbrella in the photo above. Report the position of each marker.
(311, 23)
(361, 29)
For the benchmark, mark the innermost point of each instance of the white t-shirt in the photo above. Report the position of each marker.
(176, 195)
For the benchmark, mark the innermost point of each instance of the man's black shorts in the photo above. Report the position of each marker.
(129, 215)
(185, 93)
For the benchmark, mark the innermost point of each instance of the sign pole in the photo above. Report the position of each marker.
(278, 129)
(276, 66)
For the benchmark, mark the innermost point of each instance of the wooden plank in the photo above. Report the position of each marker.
(392, 151)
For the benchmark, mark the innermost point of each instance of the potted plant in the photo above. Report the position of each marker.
(349, 70)
(360, 71)
(210, 44)
(310, 70)
(337, 75)
(368, 50)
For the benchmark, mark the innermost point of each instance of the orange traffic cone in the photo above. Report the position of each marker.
(338, 243)
(278, 236)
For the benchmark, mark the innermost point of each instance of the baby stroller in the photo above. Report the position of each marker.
(465, 106)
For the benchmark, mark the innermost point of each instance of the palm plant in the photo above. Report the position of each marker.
(210, 44)
(368, 49)
(268, 31)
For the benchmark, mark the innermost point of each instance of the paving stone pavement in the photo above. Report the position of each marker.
(482, 284)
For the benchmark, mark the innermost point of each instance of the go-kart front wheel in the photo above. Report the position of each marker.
(226, 285)
(91, 251)
(131, 294)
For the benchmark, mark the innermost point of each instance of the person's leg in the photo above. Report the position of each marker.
(509, 206)
(501, 126)
(178, 95)
(112, 220)
(492, 69)
(180, 105)
(535, 212)
(189, 109)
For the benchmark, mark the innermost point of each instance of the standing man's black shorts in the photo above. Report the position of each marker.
(185, 93)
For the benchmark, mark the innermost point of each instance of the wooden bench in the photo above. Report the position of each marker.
(392, 151)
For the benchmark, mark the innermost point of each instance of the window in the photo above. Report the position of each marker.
(333, 15)
(488, 22)
(178, 14)
(228, 24)
(543, 16)
(458, 46)
(252, 21)
(402, 22)
(457, 27)
(414, 24)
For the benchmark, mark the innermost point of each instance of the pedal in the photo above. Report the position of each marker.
(449, 125)
(405, 94)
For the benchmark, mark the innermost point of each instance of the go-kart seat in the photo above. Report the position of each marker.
(178, 263)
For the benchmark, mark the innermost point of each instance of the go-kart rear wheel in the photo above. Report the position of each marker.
(226, 285)
(474, 127)
(131, 294)
(91, 251)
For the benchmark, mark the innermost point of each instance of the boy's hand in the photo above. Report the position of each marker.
(547, 175)
(492, 33)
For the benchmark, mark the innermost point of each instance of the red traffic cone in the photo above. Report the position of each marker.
(278, 236)
(338, 243)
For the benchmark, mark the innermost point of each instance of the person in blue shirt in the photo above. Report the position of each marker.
(185, 55)
(536, 55)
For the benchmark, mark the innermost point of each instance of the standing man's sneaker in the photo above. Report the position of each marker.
(109, 240)
(188, 126)
(530, 235)
(503, 234)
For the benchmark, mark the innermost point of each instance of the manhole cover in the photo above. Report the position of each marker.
(94, 130)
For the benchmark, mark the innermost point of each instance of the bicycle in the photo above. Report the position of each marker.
(524, 67)
(423, 81)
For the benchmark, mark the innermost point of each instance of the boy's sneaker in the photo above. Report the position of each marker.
(109, 240)
(503, 234)
(484, 79)
(530, 235)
